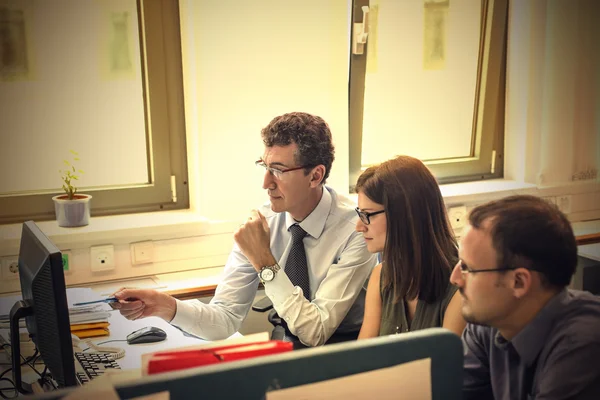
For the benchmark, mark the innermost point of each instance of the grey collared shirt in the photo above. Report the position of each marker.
(556, 356)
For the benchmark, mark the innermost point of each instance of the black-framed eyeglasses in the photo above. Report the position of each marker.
(465, 269)
(277, 173)
(365, 217)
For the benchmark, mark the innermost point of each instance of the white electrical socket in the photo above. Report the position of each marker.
(564, 203)
(142, 252)
(458, 217)
(102, 258)
(10, 267)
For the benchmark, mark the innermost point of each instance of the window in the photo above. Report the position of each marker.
(430, 84)
(130, 49)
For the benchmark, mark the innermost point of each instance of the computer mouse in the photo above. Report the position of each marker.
(149, 334)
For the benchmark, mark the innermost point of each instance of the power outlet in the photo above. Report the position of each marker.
(10, 267)
(458, 217)
(564, 203)
(102, 258)
(66, 260)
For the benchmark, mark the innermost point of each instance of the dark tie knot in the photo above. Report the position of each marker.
(297, 232)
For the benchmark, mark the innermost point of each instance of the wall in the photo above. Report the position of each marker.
(239, 75)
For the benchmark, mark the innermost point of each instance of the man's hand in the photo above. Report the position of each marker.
(253, 239)
(142, 303)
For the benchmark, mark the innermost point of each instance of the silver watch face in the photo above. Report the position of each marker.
(267, 274)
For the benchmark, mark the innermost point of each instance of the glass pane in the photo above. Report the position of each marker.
(421, 78)
(91, 100)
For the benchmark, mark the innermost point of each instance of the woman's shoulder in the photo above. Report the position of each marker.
(449, 294)
(377, 269)
(376, 273)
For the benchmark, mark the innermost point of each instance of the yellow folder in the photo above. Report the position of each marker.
(87, 333)
(80, 327)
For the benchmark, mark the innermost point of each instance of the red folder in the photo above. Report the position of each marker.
(165, 361)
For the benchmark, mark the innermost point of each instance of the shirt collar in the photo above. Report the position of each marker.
(529, 342)
(314, 224)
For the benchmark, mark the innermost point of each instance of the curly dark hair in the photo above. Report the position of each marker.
(529, 232)
(310, 133)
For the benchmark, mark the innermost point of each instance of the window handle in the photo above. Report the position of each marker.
(361, 32)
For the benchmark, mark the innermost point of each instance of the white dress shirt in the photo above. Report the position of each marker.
(338, 266)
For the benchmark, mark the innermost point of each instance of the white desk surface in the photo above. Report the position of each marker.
(120, 327)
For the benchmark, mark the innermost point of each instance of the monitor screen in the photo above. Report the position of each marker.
(44, 306)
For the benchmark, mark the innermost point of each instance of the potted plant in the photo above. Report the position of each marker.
(72, 208)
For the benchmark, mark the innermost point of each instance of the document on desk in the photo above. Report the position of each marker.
(92, 313)
(410, 380)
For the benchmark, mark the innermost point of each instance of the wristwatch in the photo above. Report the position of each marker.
(267, 273)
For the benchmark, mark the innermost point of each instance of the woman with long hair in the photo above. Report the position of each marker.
(402, 215)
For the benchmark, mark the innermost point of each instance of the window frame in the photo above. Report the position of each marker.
(487, 141)
(162, 77)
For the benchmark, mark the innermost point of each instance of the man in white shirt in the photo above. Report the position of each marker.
(297, 160)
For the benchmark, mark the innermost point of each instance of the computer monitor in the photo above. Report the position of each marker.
(44, 307)
(587, 275)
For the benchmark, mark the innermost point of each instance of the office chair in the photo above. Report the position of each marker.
(279, 327)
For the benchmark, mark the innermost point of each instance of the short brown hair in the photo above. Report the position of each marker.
(310, 133)
(420, 249)
(529, 232)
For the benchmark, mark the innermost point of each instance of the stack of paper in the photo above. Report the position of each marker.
(87, 320)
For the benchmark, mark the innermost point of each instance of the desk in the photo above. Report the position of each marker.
(120, 327)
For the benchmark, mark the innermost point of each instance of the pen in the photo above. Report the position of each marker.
(148, 288)
(108, 300)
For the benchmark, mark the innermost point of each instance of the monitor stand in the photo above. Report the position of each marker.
(20, 310)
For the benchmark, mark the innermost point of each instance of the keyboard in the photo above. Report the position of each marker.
(91, 365)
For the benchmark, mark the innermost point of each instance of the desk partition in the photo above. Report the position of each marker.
(251, 379)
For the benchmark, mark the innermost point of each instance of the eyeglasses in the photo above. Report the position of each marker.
(365, 217)
(464, 269)
(277, 173)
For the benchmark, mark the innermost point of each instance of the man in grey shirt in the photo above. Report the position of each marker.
(527, 336)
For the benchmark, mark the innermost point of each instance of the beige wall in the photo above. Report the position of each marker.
(245, 63)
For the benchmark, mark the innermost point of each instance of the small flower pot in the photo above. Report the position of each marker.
(71, 213)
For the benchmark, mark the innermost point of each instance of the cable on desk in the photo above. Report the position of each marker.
(26, 361)
(93, 345)
(13, 389)
(108, 341)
